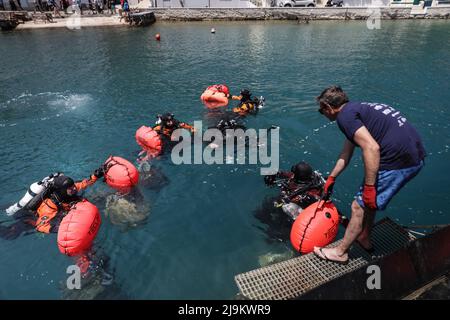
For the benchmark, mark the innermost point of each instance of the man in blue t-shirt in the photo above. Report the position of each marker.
(393, 154)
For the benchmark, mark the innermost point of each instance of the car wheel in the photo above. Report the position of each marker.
(287, 5)
(311, 5)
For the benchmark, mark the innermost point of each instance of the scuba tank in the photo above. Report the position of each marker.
(34, 196)
(286, 203)
(261, 102)
(258, 103)
(292, 210)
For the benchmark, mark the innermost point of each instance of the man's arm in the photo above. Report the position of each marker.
(187, 126)
(81, 185)
(371, 154)
(344, 158)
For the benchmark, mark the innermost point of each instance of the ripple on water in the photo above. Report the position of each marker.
(40, 107)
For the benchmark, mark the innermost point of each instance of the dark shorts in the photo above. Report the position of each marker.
(389, 182)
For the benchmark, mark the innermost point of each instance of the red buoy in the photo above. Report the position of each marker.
(120, 174)
(149, 140)
(79, 228)
(158, 37)
(215, 96)
(317, 225)
(219, 88)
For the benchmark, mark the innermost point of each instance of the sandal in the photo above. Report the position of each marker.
(324, 257)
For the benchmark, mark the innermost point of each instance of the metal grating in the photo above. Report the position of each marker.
(292, 278)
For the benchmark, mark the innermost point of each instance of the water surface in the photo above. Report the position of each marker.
(69, 99)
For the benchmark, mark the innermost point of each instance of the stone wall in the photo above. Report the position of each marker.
(438, 12)
(347, 13)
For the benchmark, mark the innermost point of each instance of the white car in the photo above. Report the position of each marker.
(297, 3)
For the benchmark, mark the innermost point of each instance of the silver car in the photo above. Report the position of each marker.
(297, 3)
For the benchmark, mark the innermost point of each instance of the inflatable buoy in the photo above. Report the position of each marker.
(149, 140)
(120, 174)
(219, 88)
(78, 228)
(315, 226)
(158, 37)
(215, 96)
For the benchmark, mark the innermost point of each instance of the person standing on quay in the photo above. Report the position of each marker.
(393, 154)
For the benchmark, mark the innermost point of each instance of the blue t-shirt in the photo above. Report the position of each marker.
(400, 144)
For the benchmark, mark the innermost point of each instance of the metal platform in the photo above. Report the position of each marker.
(293, 278)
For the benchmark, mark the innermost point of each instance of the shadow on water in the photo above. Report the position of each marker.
(22, 224)
(152, 177)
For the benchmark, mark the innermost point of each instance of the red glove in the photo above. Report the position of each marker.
(328, 188)
(369, 196)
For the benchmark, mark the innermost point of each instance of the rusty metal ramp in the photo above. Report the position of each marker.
(292, 278)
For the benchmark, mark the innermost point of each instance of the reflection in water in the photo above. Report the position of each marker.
(97, 281)
(271, 258)
(127, 211)
(152, 177)
(277, 223)
(22, 224)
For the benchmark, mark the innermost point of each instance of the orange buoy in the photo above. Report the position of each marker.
(317, 225)
(219, 88)
(158, 37)
(149, 140)
(215, 96)
(120, 174)
(79, 228)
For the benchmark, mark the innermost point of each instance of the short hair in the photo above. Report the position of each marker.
(334, 96)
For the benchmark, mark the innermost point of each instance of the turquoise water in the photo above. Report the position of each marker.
(69, 99)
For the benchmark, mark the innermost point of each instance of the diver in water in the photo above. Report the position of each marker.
(227, 127)
(224, 124)
(97, 278)
(299, 188)
(62, 194)
(247, 104)
(167, 124)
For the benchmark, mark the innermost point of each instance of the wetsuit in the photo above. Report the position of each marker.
(246, 105)
(167, 131)
(308, 191)
(48, 218)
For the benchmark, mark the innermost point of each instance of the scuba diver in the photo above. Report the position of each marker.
(157, 140)
(167, 124)
(45, 204)
(247, 104)
(225, 124)
(299, 188)
(63, 194)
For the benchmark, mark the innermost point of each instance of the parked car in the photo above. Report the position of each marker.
(297, 3)
(334, 3)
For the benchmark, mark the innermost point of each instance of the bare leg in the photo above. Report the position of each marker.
(364, 237)
(354, 229)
